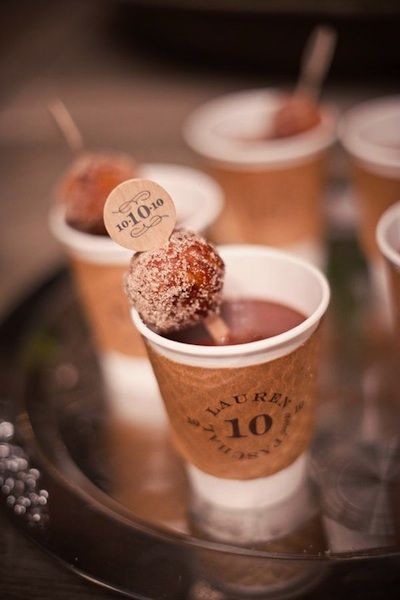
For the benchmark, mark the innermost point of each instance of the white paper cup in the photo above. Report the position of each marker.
(271, 382)
(388, 240)
(370, 133)
(273, 188)
(99, 264)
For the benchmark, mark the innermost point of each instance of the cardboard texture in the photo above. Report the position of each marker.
(374, 193)
(100, 288)
(246, 422)
(276, 206)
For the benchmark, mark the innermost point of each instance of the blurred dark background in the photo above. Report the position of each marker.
(265, 37)
(130, 72)
(254, 37)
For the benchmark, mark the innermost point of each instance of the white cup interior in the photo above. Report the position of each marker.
(251, 274)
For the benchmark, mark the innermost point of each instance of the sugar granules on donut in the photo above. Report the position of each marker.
(177, 285)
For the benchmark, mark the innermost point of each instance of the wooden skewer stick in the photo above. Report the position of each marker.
(217, 328)
(316, 60)
(66, 125)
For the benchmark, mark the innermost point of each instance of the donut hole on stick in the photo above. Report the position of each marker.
(178, 285)
(86, 185)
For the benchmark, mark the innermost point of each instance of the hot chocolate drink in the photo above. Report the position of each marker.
(248, 320)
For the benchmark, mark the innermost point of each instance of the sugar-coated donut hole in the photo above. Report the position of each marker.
(177, 285)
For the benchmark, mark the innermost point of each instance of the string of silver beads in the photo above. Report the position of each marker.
(19, 483)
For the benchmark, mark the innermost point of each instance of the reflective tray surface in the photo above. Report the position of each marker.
(109, 496)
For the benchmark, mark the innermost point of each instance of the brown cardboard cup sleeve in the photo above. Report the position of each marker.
(246, 422)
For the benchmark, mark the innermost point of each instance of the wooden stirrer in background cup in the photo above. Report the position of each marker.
(63, 119)
(299, 111)
(316, 60)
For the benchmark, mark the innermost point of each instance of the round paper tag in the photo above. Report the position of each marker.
(139, 215)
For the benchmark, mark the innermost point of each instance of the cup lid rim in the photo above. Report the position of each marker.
(359, 116)
(208, 210)
(199, 133)
(80, 240)
(276, 341)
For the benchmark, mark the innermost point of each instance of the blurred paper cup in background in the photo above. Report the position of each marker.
(388, 239)
(99, 265)
(273, 187)
(243, 415)
(370, 134)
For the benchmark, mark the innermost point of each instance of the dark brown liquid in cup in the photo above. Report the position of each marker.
(248, 321)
